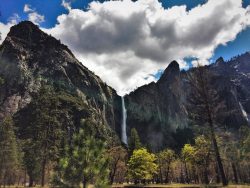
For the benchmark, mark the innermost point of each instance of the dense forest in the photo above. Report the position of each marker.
(37, 149)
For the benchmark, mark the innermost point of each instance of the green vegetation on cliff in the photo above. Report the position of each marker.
(1, 81)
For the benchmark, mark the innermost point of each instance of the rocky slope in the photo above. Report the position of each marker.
(159, 110)
(30, 57)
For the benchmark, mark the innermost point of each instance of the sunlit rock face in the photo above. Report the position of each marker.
(29, 56)
(159, 109)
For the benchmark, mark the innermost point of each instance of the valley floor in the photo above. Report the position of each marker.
(161, 186)
(180, 186)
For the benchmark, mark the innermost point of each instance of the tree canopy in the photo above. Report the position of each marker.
(83, 160)
(9, 156)
(142, 165)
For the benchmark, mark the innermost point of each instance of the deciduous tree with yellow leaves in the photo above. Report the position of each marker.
(142, 166)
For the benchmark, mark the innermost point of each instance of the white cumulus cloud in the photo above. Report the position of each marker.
(66, 4)
(14, 19)
(27, 8)
(33, 16)
(125, 42)
(4, 29)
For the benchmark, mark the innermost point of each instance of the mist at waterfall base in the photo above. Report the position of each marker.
(124, 126)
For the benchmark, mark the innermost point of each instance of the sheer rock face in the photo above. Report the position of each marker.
(29, 56)
(157, 110)
(233, 84)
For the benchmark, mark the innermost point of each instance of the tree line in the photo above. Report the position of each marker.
(195, 163)
(87, 160)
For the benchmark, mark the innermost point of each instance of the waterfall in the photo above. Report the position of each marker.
(124, 126)
(244, 112)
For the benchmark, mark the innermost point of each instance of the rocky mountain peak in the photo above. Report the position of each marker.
(26, 42)
(30, 58)
(26, 30)
(174, 65)
(29, 35)
(171, 71)
(219, 60)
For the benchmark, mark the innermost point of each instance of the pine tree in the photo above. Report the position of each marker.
(8, 150)
(83, 160)
(41, 132)
(134, 141)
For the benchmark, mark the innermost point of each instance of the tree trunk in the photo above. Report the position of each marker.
(24, 184)
(194, 174)
(235, 173)
(216, 149)
(19, 179)
(113, 172)
(206, 181)
(208, 111)
(85, 183)
(31, 182)
(111, 177)
(1, 177)
(181, 176)
(239, 173)
(4, 180)
(217, 173)
(166, 180)
(186, 172)
(217, 155)
(161, 179)
(43, 172)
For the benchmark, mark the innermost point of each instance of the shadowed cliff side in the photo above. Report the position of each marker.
(30, 58)
(160, 110)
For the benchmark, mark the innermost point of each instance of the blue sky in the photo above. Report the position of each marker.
(51, 9)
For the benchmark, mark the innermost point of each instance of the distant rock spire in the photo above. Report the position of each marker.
(170, 72)
(219, 61)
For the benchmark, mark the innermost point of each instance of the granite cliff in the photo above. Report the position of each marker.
(30, 57)
(159, 111)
